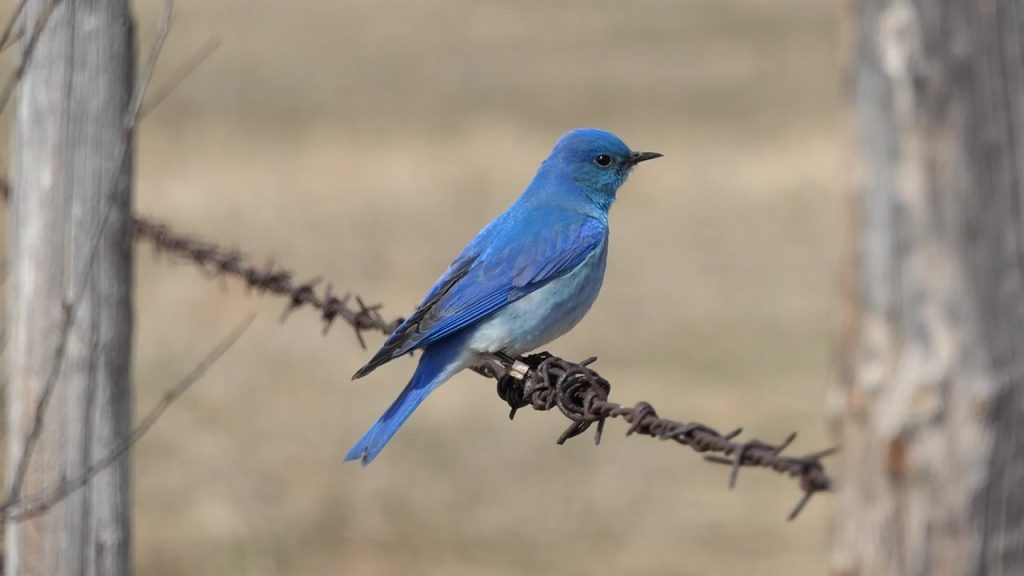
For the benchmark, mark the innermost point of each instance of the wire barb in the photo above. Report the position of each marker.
(581, 394)
(267, 279)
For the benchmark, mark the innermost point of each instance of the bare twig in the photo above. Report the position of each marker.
(124, 143)
(179, 75)
(163, 28)
(132, 117)
(15, 36)
(42, 402)
(39, 412)
(18, 509)
(6, 38)
(30, 48)
(70, 309)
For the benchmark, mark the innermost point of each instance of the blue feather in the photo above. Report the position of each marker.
(434, 368)
(475, 287)
(527, 278)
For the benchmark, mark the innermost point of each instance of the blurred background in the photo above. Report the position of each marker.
(365, 143)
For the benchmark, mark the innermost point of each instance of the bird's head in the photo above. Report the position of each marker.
(596, 160)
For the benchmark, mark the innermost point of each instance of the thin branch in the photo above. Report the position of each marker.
(179, 75)
(26, 55)
(131, 120)
(17, 510)
(163, 28)
(77, 288)
(18, 34)
(70, 310)
(6, 38)
(124, 144)
(39, 413)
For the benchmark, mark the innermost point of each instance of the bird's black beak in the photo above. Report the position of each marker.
(638, 157)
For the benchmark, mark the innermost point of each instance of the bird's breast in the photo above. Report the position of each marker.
(544, 314)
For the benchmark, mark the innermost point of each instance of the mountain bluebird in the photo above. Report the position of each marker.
(526, 279)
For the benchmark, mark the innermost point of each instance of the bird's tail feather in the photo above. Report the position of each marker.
(438, 363)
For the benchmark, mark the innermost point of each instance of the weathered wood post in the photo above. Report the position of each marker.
(69, 248)
(930, 405)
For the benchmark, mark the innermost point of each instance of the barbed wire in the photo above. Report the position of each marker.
(541, 381)
(581, 394)
(269, 279)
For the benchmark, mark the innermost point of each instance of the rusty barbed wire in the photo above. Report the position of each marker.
(581, 394)
(541, 381)
(269, 279)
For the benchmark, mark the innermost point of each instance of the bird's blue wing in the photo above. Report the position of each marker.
(482, 280)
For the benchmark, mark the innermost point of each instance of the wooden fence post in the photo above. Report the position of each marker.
(70, 259)
(930, 405)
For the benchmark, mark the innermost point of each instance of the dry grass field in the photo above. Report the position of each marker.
(366, 142)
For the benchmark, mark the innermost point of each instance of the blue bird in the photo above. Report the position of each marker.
(526, 279)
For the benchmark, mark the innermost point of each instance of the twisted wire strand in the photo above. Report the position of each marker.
(269, 279)
(540, 381)
(581, 394)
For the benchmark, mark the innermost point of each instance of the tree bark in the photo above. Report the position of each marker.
(69, 247)
(930, 406)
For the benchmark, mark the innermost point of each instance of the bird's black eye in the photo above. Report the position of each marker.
(603, 160)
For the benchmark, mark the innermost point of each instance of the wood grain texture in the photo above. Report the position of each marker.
(930, 407)
(72, 170)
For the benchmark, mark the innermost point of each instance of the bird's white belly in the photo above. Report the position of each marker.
(542, 315)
